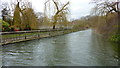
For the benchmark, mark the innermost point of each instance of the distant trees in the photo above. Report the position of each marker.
(40, 17)
(82, 23)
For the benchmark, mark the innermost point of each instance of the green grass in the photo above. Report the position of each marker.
(21, 35)
(40, 33)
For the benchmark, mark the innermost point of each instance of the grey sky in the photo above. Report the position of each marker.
(78, 8)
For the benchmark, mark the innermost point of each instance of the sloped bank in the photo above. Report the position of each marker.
(108, 27)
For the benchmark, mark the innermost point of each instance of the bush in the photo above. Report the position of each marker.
(5, 26)
(115, 38)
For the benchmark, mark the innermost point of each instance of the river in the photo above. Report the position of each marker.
(83, 48)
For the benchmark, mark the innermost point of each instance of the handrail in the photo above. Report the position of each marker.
(31, 31)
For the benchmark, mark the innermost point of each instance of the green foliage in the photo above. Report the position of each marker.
(16, 17)
(5, 26)
(115, 38)
(29, 19)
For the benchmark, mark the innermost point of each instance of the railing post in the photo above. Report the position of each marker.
(25, 34)
(19, 36)
(38, 34)
(49, 32)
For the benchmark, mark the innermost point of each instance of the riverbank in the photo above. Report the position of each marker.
(107, 27)
(22, 36)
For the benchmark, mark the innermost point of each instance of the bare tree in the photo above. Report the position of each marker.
(5, 11)
(59, 10)
(104, 7)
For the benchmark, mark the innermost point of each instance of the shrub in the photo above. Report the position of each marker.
(5, 26)
(115, 38)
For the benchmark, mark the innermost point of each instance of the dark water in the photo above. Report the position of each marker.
(81, 48)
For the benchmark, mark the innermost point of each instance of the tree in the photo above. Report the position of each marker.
(30, 21)
(40, 17)
(24, 16)
(16, 17)
(108, 17)
(5, 11)
(62, 19)
(59, 10)
(104, 7)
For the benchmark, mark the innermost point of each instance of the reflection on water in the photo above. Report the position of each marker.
(82, 48)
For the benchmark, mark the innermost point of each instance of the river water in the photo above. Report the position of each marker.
(83, 48)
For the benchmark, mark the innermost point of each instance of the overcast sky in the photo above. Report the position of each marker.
(78, 8)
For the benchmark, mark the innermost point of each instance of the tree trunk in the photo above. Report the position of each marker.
(118, 17)
(53, 26)
(119, 22)
(54, 22)
(119, 33)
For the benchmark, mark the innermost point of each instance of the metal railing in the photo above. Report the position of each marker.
(18, 36)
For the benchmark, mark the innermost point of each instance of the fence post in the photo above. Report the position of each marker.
(38, 34)
(25, 34)
(49, 32)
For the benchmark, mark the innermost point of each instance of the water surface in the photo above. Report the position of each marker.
(82, 48)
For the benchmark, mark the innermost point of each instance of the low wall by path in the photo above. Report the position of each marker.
(20, 36)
